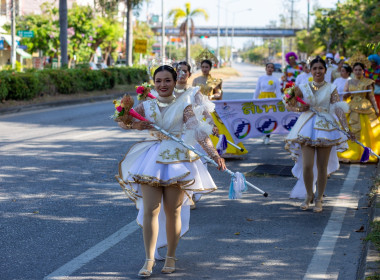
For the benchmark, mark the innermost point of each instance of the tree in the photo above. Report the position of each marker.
(184, 28)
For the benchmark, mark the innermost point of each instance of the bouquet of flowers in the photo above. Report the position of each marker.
(289, 93)
(124, 111)
(143, 91)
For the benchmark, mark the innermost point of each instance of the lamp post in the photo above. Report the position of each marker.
(233, 29)
(163, 33)
(218, 35)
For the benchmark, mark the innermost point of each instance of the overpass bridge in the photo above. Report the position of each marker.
(232, 31)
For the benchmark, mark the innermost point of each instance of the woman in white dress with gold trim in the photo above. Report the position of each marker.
(313, 142)
(159, 174)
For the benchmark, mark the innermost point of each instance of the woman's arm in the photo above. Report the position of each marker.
(257, 91)
(371, 97)
(195, 129)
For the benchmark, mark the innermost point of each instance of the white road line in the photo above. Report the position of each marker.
(92, 253)
(318, 266)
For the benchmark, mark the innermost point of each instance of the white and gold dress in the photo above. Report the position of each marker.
(313, 130)
(160, 161)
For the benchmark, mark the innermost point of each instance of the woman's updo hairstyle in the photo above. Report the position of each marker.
(360, 64)
(318, 59)
(347, 68)
(207, 61)
(184, 63)
(166, 68)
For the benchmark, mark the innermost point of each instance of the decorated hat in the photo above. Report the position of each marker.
(289, 55)
(359, 57)
(206, 54)
(375, 58)
(330, 55)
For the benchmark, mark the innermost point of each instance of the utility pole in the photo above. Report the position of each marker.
(163, 33)
(63, 31)
(217, 38)
(226, 36)
(129, 35)
(308, 15)
(291, 23)
(13, 34)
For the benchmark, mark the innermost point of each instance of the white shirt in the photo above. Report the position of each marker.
(303, 78)
(267, 83)
(328, 75)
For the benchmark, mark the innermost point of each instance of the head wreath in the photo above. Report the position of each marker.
(358, 57)
(206, 54)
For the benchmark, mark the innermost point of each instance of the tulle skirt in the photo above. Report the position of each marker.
(140, 167)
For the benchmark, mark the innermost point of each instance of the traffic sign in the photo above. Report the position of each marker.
(25, 33)
(141, 45)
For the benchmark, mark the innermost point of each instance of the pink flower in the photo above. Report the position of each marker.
(140, 90)
(89, 44)
(119, 109)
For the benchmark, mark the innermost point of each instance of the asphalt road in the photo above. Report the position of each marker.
(64, 216)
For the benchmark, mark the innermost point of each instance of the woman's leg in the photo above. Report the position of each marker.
(173, 198)
(308, 165)
(323, 155)
(152, 202)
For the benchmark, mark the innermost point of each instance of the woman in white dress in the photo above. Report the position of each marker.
(268, 86)
(340, 82)
(159, 174)
(313, 142)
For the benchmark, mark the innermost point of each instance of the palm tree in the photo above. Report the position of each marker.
(184, 28)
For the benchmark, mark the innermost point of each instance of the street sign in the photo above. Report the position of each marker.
(141, 45)
(1, 44)
(22, 47)
(25, 33)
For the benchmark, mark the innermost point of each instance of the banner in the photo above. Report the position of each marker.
(248, 118)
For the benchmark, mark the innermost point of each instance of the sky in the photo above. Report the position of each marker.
(261, 14)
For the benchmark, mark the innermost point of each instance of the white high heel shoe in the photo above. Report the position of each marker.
(145, 273)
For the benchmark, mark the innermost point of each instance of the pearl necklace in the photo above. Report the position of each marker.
(181, 90)
(165, 101)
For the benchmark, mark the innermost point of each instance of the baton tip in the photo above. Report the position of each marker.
(241, 150)
(265, 194)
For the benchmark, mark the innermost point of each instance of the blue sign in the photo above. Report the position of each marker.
(22, 47)
(1, 44)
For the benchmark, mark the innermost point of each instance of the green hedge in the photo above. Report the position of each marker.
(23, 86)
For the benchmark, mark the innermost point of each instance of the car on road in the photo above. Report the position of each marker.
(277, 67)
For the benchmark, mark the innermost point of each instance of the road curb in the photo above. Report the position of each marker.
(51, 104)
(371, 256)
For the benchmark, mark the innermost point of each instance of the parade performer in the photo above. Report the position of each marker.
(159, 174)
(268, 86)
(345, 73)
(336, 73)
(331, 67)
(200, 103)
(373, 73)
(313, 142)
(212, 88)
(292, 70)
(363, 117)
(305, 76)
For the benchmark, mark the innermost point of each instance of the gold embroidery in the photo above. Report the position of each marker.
(322, 124)
(176, 155)
(153, 109)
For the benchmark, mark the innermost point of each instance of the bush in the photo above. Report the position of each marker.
(32, 83)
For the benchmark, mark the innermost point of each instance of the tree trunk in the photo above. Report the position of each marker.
(188, 40)
(63, 31)
(129, 35)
